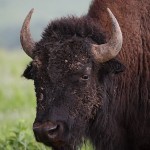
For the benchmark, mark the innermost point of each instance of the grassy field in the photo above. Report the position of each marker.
(17, 104)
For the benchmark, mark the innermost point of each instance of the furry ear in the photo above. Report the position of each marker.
(113, 66)
(28, 73)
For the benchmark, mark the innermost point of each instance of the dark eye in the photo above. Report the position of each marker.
(85, 77)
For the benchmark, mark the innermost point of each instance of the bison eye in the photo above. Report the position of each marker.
(85, 77)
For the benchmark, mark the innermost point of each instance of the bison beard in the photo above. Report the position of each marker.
(81, 92)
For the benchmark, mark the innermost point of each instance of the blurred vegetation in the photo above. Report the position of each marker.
(17, 105)
(19, 138)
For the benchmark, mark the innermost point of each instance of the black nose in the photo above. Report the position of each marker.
(48, 131)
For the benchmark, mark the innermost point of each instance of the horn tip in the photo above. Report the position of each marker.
(32, 10)
(109, 11)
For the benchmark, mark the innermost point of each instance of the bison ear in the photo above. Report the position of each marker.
(28, 73)
(112, 67)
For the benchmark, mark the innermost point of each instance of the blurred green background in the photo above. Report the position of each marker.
(17, 98)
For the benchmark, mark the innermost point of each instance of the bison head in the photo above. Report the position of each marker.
(70, 67)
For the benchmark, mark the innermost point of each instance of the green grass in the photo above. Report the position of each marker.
(17, 98)
(17, 105)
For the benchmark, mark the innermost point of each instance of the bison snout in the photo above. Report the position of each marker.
(49, 133)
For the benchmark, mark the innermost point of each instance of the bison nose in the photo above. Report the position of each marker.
(48, 131)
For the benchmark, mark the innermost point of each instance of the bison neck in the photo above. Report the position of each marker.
(128, 115)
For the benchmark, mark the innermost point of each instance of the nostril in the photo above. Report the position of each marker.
(53, 128)
(48, 130)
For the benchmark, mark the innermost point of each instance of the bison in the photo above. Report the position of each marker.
(91, 84)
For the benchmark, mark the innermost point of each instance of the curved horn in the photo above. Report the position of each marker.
(105, 52)
(25, 36)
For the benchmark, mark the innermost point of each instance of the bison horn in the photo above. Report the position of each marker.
(25, 36)
(109, 50)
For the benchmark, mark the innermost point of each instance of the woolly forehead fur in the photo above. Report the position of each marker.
(65, 28)
(68, 41)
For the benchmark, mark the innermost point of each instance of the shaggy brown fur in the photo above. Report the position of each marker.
(133, 94)
(109, 108)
